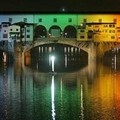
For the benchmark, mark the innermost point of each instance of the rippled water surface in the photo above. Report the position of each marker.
(91, 93)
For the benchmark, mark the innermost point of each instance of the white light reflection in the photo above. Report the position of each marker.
(53, 98)
(52, 61)
(115, 62)
(61, 89)
(65, 60)
(82, 107)
(49, 60)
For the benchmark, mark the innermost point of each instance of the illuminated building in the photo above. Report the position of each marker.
(97, 32)
(83, 27)
(4, 31)
(14, 31)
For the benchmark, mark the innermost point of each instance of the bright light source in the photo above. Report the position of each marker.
(81, 24)
(63, 9)
(65, 33)
(52, 58)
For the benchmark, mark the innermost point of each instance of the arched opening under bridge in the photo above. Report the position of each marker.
(67, 57)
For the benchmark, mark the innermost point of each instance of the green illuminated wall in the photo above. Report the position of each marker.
(62, 20)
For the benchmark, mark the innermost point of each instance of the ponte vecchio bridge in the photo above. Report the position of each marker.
(92, 48)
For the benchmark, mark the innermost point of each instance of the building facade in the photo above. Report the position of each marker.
(83, 27)
(97, 32)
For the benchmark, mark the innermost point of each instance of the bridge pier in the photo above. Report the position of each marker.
(27, 57)
(91, 71)
(92, 56)
(92, 53)
(19, 55)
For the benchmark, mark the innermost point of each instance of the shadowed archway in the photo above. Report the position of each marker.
(70, 32)
(40, 32)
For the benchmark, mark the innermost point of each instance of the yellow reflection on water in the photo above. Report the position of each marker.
(104, 94)
(117, 94)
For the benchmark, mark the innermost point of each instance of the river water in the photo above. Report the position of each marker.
(90, 93)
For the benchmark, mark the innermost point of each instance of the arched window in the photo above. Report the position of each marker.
(70, 32)
(55, 31)
(40, 32)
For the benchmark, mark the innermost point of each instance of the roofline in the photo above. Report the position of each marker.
(5, 23)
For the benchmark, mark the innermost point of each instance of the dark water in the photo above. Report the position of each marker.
(90, 93)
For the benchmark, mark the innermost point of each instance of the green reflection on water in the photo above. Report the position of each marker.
(29, 95)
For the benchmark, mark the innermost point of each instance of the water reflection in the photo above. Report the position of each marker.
(53, 98)
(82, 107)
(27, 94)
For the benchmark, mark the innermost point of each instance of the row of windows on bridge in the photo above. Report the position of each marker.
(90, 37)
(40, 20)
(105, 31)
(55, 20)
(6, 36)
(97, 26)
(110, 31)
(84, 20)
(28, 30)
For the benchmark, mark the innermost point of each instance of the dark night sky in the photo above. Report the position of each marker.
(48, 6)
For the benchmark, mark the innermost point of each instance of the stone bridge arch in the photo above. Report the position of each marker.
(88, 47)
(104, 47)
(71, 42)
